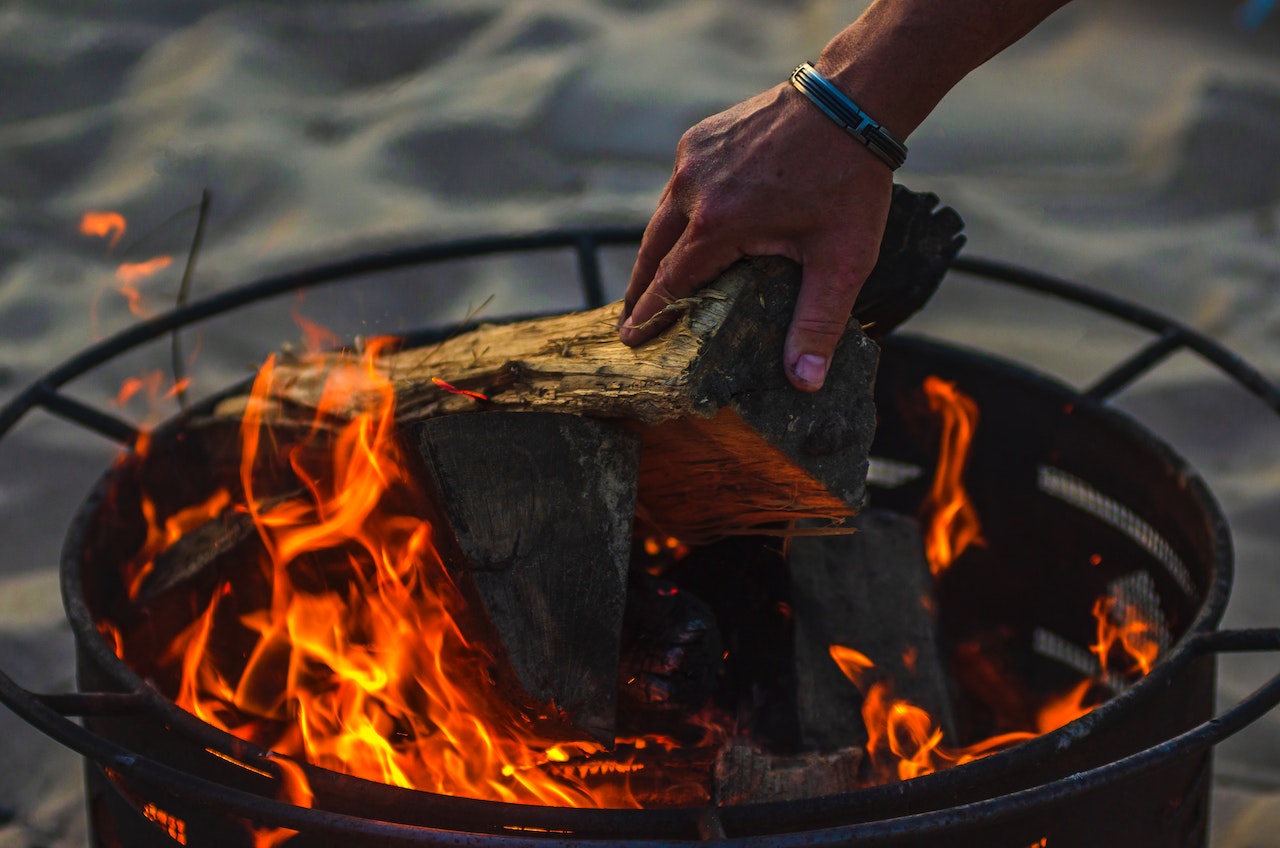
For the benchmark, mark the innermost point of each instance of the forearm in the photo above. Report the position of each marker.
(902, 56)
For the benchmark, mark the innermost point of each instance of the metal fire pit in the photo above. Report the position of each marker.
(1061, 480)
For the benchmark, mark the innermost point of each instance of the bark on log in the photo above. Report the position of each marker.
(541, 505)
(871, 591)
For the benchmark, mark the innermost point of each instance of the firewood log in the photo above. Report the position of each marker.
(541, 506)
(870, 591)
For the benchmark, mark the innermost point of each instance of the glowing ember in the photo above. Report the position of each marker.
(455, 390)
(950, 518)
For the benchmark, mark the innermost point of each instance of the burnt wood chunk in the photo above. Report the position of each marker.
(541, 505)
(745, 775)
(671, 652)
(870, 591)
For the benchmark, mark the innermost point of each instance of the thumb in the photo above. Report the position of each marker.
(822, 311)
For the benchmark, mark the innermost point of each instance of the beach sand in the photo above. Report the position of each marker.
(1132, 146)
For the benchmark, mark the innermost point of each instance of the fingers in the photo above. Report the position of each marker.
(827, 294)
(664, 229)
(691, 263)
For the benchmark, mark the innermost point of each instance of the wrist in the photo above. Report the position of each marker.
(860, 125)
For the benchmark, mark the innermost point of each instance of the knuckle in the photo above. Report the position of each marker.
(819, 328)
(705, 221)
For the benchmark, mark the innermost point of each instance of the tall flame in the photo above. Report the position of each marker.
(380, 679)
(951, 521)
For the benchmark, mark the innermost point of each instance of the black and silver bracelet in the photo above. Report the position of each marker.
(846, 113)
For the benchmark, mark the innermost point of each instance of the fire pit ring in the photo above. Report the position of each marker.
(965, 819)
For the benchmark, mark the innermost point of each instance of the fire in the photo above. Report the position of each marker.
(315, 336)
(380, 679)
(103, 225)
(1120, 625)
(903, 740)
(951, 520)
(130, 274)
(350, 650)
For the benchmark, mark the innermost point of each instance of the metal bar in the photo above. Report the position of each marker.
(588, 251)
(1246, 375)
(1135, 366)
(954, 820)
(94, 703)
(1241, 641)
(94, 419)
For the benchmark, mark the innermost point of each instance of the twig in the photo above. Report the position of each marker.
(184, 290)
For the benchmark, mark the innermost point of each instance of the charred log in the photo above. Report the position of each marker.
(541, 507)
(870, 591)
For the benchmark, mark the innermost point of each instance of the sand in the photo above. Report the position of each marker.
(1131, 146)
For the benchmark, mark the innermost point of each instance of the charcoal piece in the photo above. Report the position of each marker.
(746, 775)
(744, 581)
(648, 775)
(201, 552)
(870, 591)
(920, 241)
(541, 505)
(671, 651)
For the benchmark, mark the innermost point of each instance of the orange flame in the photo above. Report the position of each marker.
(315, 336)
(903, 741)
(294, 789)
(380, 678)
(103, 225)
(130, 274)
(1120, 625)
(1078, 702)
(951, 521)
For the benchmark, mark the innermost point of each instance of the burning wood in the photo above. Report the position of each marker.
(541, 504)
(443, 601)
(873, 590)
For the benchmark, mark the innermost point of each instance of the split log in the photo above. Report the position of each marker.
(870, 591)
(728, 444)
(541, 505)
(746, 775)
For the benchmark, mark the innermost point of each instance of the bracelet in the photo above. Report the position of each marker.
(846, 113)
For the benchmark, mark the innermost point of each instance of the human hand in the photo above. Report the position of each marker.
(770, 176)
